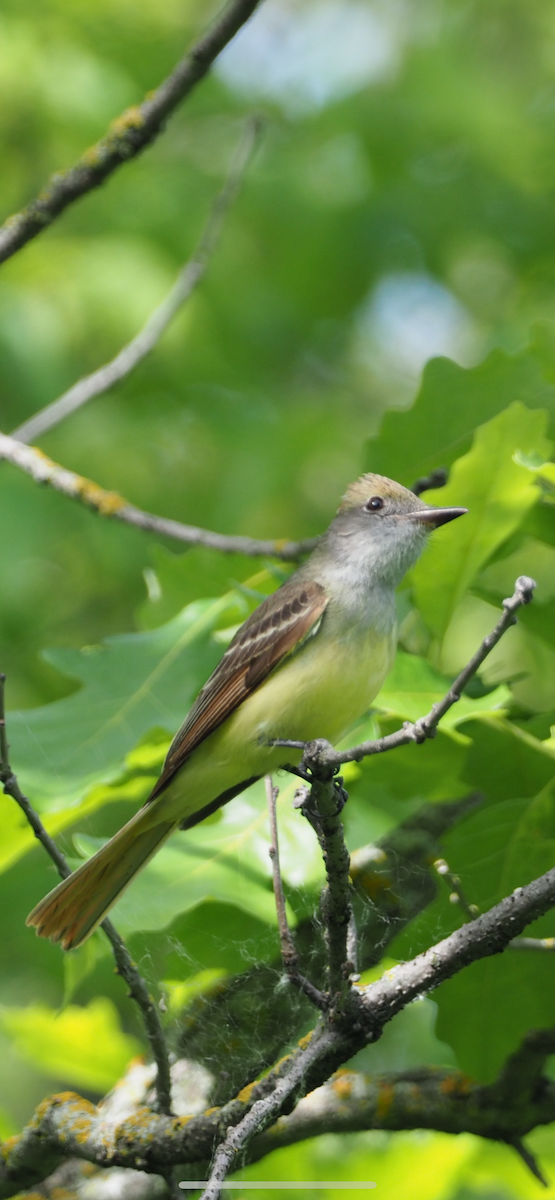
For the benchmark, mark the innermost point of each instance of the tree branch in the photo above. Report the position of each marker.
(263, 1112)
(322, 805)
(392, 883)
(127, 136)
(110, 504)
(66, 1126)
(427, 1098)
(488, 934)
(145, 341)
(125, 966)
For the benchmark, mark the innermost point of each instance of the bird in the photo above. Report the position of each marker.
(306, 664)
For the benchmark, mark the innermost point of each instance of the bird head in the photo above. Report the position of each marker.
(384, 526)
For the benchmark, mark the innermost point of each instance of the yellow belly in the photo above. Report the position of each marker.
(319, 692)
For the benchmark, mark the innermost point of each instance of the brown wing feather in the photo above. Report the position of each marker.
(273, 631)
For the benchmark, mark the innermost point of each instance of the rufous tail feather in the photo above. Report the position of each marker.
(74, 909)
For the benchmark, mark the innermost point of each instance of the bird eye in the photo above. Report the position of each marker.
(374, 504)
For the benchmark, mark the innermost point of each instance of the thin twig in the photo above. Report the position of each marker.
(127, 136)
(138, 989)
(425, 727)
(289, 954)
(529, 1160)
(531, 943)
(110, 504)
(456, 895)
(189, 277)
(488, 934)
(262, 1113)
(288, 950)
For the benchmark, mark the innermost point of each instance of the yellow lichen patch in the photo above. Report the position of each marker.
(181, 1122)
(62, 1193)
(9, 1145)
(342, 1084)
(80, 1129)
(44, 457)
(104, 502)
(385, 1100)
(59, 1098)
(245, 1094)
(141, 1121)
(280, 544)
(82, 1106)
(93, 155)
(304, 1041)
(132, 118)
(456, 1084)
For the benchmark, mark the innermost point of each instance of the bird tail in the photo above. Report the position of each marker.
(74, 909)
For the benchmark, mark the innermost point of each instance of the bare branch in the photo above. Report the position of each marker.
(488, 934)
(66, 1126)
(262, 1113)
(127, 136)
(422, 1098)
(322, 805)
(289, 956)
(110, 504)
(530, 943)
(425, 727)
(529, 1160)
(436, 479)
(392, 882)
(125, 966)
(189, 277)
(288, 951)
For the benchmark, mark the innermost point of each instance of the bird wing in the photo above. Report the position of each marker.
(273, 631)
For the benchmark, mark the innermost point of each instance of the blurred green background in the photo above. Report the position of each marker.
(399, 207)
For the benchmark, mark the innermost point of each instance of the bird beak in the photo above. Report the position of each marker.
(436, 516)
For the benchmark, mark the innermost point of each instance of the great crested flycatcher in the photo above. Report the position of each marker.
(306, 664)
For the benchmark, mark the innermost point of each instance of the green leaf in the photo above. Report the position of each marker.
(179, 993)
(413, 687)
(451, 402)
(79, 963)
(532, 558)
(130, 683)
(175, 580)
(210, 937)
(81, 1046)
(498, 492)
(225, 860)
(504, 846)
(504, 762)
(134, 786)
